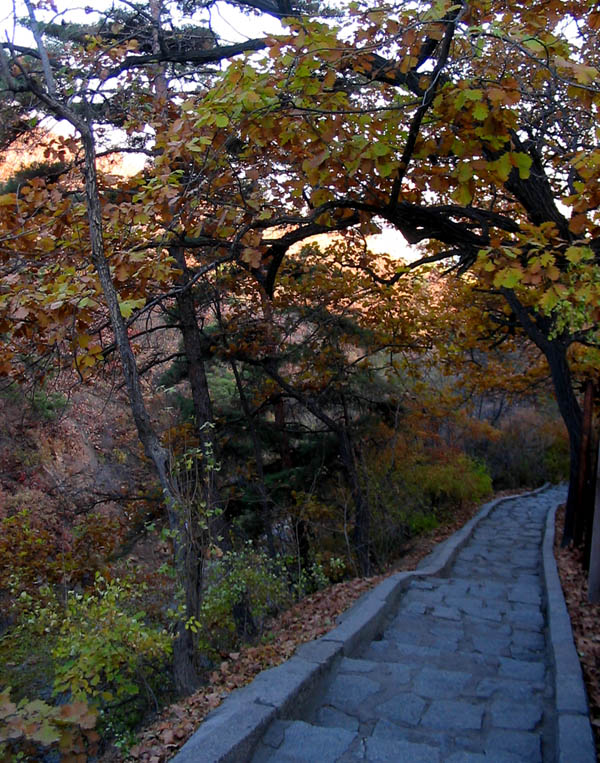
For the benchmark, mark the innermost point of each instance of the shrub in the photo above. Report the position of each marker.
(105, 650)
(27, 554)
(454, 481)
(35, 550)
(44, 405)
(48, 405)
(242, 589)
(93, 647)
(530, 450)
(411, 489)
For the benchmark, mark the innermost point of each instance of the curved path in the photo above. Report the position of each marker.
(469, 659)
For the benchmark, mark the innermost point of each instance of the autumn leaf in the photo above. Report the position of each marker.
(508, 278)
(523, 163)
(127, 306)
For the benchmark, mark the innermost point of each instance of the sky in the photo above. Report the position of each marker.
(226, 20)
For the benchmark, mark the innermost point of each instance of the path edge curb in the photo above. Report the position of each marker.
(575, 739)
(230, 733)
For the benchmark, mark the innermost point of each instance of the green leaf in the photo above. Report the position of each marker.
(480, 111)
(380, 149)
(221, 120)
(509, 278)
(462, 195)
(465, 172)
(502, 167)
(549, 300)
(385, 170)
(523, 162)
(127, 306)
(46, 734)
(576, 254)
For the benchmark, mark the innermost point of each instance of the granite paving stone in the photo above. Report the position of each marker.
(525, 671)
(523, 691)
(329, 716)
(392, 751)
(453, 714)
(507, 714)
(403, 708)
(303, 742)
(348, 693)
(440, 684)
(525, 745)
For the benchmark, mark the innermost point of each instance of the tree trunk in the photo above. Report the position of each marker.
(361, 509)
(590, 498)
(258, 460)
(555, 352)
(361, 506)
(556, 355)
(185, 673)
(585, 464)
(594, 567)
(203, 416)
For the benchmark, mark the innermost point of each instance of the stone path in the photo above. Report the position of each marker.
(462, 672)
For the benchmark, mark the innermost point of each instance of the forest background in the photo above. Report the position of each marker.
(209, 412)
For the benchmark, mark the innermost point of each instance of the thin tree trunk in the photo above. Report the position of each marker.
(361, 536)
(184, 670)
(258, 460)
(594, 567)
(581, 516)
(196, 367)
(590, 498)
(570, 410)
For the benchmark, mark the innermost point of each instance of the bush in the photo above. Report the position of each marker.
(105, 650)
(411, 489)
(452, 482)
(44, 405)
(94, 648)
(530, 450)
(242, 589)
(35, 550)
(48, 405)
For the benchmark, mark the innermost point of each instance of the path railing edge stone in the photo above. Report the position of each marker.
(230, 733)
(575, 739)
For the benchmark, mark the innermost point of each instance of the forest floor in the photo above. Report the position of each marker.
(309, 619)
(585, 621)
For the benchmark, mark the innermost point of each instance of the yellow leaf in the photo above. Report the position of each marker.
(127, 306)
(8, 199)
(509, 277)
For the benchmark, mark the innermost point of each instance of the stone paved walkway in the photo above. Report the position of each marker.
(462, 673)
